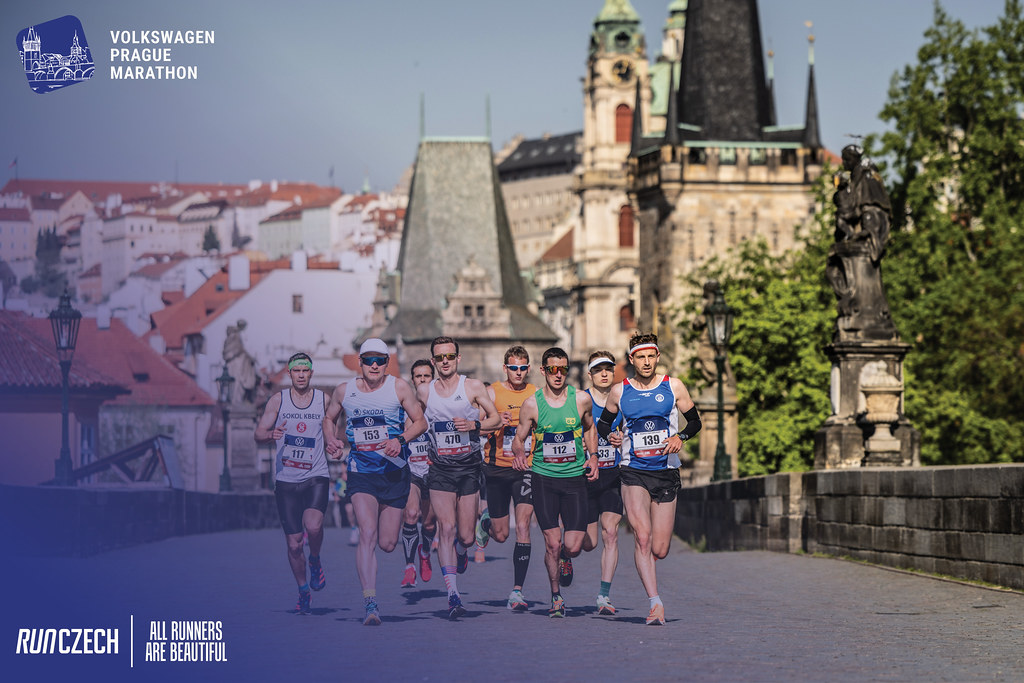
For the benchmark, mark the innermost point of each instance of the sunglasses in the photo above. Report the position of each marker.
(518, 368)
(556, 369)
(373, 360)
(438, 357)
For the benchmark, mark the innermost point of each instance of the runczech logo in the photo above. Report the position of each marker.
(368, 421)
(659, 397)
(55, 54)
(301, 427)
(648, 425)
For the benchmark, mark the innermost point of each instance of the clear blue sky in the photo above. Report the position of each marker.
(291, 89)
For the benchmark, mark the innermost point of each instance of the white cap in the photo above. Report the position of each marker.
(374, 345)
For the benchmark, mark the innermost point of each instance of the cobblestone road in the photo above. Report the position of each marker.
(751, 616)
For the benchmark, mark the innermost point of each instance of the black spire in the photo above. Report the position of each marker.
(722, 80)
(812, 138)
(637, 134)
(772, 120)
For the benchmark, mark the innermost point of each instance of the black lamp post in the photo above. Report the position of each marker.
(65, 321)
(224, 384)
(719, 318)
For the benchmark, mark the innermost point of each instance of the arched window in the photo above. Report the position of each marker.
(623, 123)
(626, 226)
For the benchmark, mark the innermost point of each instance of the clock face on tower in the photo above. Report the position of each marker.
(622, 71)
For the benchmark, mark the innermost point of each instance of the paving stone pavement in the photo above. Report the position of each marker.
(742, 616)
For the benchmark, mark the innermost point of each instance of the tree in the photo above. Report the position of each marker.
(785, 312)
(956, 290)
(48, 278)
(210, 240)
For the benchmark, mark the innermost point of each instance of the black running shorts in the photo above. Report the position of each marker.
(564, 497)
(294, 498)
(505, 484)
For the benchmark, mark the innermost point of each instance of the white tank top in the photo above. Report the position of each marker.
(300, 452)
(452, 447)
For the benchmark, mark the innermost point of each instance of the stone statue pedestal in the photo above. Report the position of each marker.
(849, 437)
(243, 454)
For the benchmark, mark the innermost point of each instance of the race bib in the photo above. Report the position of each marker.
(559, 447)
(419, 450)
(605, 452)
(649, 436)
(451, 442)
(508, 435)
(298, 452)
(369, 433)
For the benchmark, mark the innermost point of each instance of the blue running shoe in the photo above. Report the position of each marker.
(455, 608)
(372, 614)
(303, 606)
(317, 579)
(482, 536)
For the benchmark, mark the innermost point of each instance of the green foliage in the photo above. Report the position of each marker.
(784, 316)
(210, 240)
(955, 274)
(48, 278)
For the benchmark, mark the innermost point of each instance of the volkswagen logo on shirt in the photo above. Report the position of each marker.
(449, 426)
(649, 425)
(559, 437)
(368, 421)
(300, 441)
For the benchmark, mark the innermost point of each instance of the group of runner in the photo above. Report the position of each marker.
(419, 454)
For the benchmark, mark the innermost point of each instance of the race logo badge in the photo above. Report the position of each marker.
(55, 54)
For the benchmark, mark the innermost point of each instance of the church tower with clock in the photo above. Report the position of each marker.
(605, 242)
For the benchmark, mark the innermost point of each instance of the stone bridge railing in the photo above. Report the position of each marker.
(966, 522)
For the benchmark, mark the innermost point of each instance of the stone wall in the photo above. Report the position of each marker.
(45, 521)
(966, 522)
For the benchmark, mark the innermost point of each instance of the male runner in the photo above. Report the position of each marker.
(605, 497)
(375, 406)
(292, 419)
(417, 508)
(505, 483)
(561, 421)
(650, 404)
(452, 404)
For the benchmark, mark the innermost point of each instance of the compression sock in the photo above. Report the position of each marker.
(410, 540)
(449, 574)
(520, 562)
(427, 539)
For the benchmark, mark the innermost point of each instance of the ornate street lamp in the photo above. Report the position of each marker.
(224, 384)
(719, 319)
(65, 321)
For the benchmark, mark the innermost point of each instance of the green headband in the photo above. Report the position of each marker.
(301, 363)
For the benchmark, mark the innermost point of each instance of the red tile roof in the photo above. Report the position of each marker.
(8, 214)
(560, 250)
(100, 189)
(118, 354)
(28, 360)
(94, 271)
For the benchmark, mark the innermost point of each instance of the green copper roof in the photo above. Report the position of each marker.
(676, 14)
(617, 11)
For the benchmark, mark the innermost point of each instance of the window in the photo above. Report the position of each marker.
(623, 123)
(296, 303)
(467, 311)
(626, 226)
(480, 310)
(727, 156)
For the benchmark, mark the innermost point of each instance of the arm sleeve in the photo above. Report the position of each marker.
(604, 425)
(693, 424)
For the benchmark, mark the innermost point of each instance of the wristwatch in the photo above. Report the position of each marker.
(477, 422)
(401, 440)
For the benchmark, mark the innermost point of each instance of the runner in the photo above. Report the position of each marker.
(452, 404)
(292, 419)
(504, 483)
(417, 508)
(561, 421)
(605, 498)
(649, 470)
(375, 406)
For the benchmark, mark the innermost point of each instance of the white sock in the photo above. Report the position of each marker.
(656, 601)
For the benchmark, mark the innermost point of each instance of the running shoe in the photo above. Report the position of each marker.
(479, 556)
(564, 572)
(557, 607)
(516, 602)
(303, 606)
(317, 580)
(455, 608)
(425, 571)
(482, 537)
(657, 616)
(461, 562)
(604, 606)
(409, 578)
(372, 614)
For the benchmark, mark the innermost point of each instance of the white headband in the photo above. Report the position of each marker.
(599, 361)
(641, 347)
